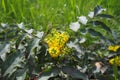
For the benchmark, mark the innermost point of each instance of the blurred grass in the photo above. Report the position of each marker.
(46, 13)
(43, 14)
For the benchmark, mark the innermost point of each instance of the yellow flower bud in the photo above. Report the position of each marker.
(115, 60)
(54, 51)
(56, 42)
(113, 48)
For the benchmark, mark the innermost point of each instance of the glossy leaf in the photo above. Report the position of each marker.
(96, 33)
(48, 74)
(105, 16)
(11, 34)
(106, 77)
(11, 62)
(21, 74)
(32, 45)
(4, 48)
(1, 61)
(115, 36)
(97, 9)
(74, 73)
(104, 26)
(20, 39)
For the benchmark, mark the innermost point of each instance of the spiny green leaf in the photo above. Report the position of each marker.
(74, 73)
(48, 74)
(115, 36)
(103, 25)
(106, 77)
(20, 74)
(105, 15)
(20, 39)
(11, 62)
(97, 9)
(32, 45)
(96, 33)
(4, 48)
(1, 61)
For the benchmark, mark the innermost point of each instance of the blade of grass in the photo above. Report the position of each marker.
(115, 70)
(4, 6)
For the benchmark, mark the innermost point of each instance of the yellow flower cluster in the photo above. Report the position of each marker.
(56, 41)
(115, 60)
(114, 48)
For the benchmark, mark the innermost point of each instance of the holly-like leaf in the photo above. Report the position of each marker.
(103, 25)
(96, 10)
(1, 61)
(106, 77)
(21, 74)
(20, 39)
(48, 73)
(74, 73)
(4, 48)
(115, 36)
(11, 62)
(105, 15)
(96, 33)
(32, 45)
(2, 36)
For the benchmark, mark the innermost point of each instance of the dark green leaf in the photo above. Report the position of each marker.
(105, 16)
(11, 34)
(115, 36)
(2, 36)
(4, 48)
(1, 61)
(106, 77)
(31, 65)
(20, 39)
(96, 33)
(104, 26)
(11, 62)
(1, 39)
(97, 9)
(32, 45)
(21, 74)
(48, 74)
(74, 73)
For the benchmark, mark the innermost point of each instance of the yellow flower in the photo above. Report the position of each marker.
(54, 51)
(113, 48)
(66, 50)
(65, 36)
(56, 42)
(115, 60)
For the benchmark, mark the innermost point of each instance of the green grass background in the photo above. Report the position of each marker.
(39, 14)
